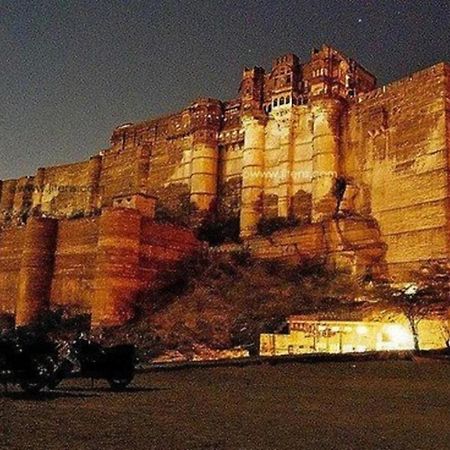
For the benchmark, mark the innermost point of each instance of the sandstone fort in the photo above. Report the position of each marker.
(363, 170)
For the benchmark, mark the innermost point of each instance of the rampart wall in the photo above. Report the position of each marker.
(397, 155)
(97, 265)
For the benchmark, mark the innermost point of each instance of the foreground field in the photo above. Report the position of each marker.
(369, 405)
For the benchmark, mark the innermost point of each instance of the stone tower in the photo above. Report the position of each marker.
(292, 120)
(206, 117)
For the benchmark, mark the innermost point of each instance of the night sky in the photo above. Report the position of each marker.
(72, 70)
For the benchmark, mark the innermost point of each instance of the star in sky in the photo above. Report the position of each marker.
(165, 54)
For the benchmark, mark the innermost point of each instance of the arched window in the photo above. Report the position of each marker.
(288, 100)
(275, 103)
(281, 101)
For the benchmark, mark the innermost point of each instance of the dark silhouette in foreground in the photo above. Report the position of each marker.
(28, 361)
(35, 362)
(89, 359)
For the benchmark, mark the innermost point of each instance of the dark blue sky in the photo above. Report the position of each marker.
(72, 70)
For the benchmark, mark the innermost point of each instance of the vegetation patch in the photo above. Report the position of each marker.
(225, 301)
(268, 226)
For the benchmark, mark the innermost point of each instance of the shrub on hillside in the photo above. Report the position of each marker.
(223, 300)
(62, 322)
(217, 232)
(241, 257)
(182, 213)
(268, 226)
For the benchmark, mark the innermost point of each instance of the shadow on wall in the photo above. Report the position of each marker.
(302, 205)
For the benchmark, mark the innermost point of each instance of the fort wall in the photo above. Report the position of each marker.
(75, 263)
(98, 265)
(116, 280)
(346, 243)
(36, 269)
(68, 190)
(365, 171)
(11, 246)
(396, 155)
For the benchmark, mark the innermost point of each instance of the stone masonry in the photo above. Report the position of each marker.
(364, 170)
(98, 264)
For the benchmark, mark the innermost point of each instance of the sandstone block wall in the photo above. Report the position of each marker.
(116, 279)
(11, 246)
(396, 152)
(350, 243)
(67, 190)
(161, 247)
(99, 265)
(75, 263)
(36, 269)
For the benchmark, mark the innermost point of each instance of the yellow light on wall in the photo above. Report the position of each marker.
(400, 335)
(361, 330)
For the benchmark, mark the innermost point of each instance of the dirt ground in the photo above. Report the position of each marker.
(368, 405)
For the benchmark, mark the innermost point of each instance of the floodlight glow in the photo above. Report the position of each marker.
(400, 336)
(361, 330)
